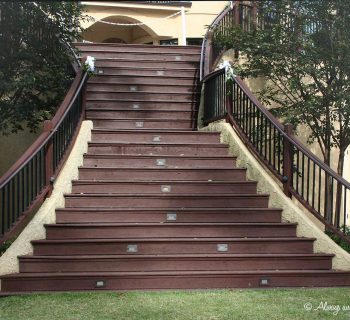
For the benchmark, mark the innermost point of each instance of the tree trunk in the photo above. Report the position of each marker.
(328, 188)
(338, 201)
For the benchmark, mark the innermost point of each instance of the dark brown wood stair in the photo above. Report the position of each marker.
(157, 204)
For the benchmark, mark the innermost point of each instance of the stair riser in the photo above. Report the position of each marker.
(154, 51)
(116, 217)
(173, 264)
(168, 73)
(161, 175)
(132, 96)
(157, 150)
(163, 64)
(165, 247)
(163, 202)
(164, 231)
(151, 106)
(140, 114)
(157, 189)
(148, 124)
(142, 87)
(173, 56)
(152, 163)
(144, 81)
(139, 137)
(172, 282)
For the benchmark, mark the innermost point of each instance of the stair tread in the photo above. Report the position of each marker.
(130, 209)
(84, 181)
(93, 81)
(143, 92)
(161, 169)
(205, 133)
(178, 256)
(140, 156)
(165, 195)
(216, 145)
(178, 273)
(169, 224)
(188, 239)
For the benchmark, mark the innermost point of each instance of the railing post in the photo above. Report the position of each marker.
(287, 161)
(48, 158)
(208, 53)
(229, 103)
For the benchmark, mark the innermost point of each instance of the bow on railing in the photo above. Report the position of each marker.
(320, 189)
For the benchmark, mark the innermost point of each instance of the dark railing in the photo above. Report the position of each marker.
(320, 189)
(29, 181)
(214, 96)
(26, 184)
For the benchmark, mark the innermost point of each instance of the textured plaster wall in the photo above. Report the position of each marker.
(46, 214)
(198, 17)
(266, 184)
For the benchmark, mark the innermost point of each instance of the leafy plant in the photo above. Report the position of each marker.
(5, 245)
(342, 243)
(34, 63)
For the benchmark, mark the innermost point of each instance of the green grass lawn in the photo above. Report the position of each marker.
(270, 304)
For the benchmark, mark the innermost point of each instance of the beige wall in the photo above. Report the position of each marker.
(198, 16)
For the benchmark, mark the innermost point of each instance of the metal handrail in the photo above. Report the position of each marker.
(302, 173)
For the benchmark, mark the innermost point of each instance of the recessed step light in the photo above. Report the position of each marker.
(171, 216)
(222, 247)
(139, 124)
(131, 248)
(264, 282)
(165, 188)
(100, 283)
(160, 162)
(156, 138)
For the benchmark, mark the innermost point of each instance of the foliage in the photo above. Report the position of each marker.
(342, 243)
(303, 49)
(34, 63)
(5, 245)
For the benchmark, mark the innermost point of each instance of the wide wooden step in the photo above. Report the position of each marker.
(142, 96)
(154, 136)
(158, 72)
(141, 124)
(179, 262)
(161, 187)
(162, 174)
(124, 215)
(165, 230)
(151, 88)
(139, 113)
(135, 161)
(188, 62)
(177, 245)
(174, 280)
(145, 81)
(167, 200)
(140, 105)
(181, 149)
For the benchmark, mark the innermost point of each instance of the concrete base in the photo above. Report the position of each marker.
(46, 214)
(307, 227)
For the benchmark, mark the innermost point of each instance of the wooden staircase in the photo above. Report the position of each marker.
(159, 205)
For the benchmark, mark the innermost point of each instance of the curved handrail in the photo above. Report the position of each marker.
(29, 181)
(301, 172)
(210, 28)
(46, 135)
